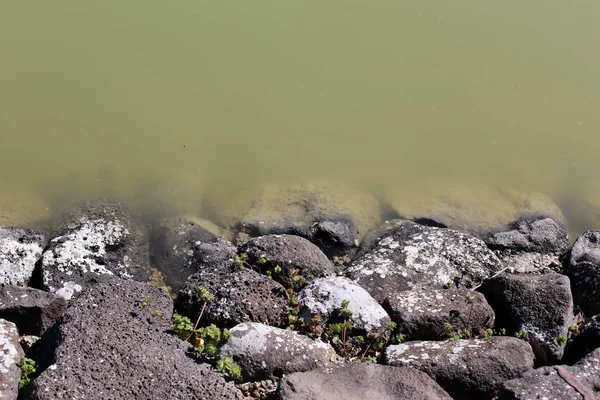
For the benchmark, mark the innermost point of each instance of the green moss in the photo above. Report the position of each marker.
(28, 369)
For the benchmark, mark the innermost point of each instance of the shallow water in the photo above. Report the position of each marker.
(144, 99)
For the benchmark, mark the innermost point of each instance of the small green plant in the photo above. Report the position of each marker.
(145, 302)
(228, 366)
(502, 331)
(28, 369)
(561, 340)
(574, 330)
(204, 294)
(182, 326)
(296, 276)
(240, 260)
(157, 313)
(522, 334)
(486, 333)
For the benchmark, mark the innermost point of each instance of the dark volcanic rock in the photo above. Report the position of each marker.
(584, 271)
(97, 239)
(358, 381)
(424, 314)
(112, 344)
(407, 256)
(263, 351)
(530, 244)
(20, 250)
(32, 310)
(467, 369)
(334, 217)
(557, 382)
(240, 295)
(10, 358)
(300, 260)
(323, 297)
(587, 340)
(541, 305)
(172, 247)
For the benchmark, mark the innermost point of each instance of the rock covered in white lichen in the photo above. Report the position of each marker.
(20, 249)
(10, 357)
(263, 351)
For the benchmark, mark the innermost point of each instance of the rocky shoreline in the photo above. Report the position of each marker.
(307, 294)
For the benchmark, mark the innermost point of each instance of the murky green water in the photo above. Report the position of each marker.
(112, 96)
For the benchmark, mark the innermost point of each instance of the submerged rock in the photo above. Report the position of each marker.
(32, 310)
(263, 351)
(300, 261)
(10, 358)
(358, 381)
(114, 343)
(584, 271)
(561, 382)
(98, 239)
(540, 305)
(467, 369)
(239, 295)
(20, 250)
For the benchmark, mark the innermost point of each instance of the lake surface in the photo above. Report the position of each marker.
(143, 99)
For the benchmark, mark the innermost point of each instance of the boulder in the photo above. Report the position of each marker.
(466, 369)
(10, 359)
(263, 351)
(560, 382)
(32, 310)
(114, 342)
(531, 244)
(427, 313)
(300, 261)
(20, 250)
(358, 381)
(324, 297)
(172, 247)
(584, 271)
(540, 305)
(96, 239)
(239, 295)
(404, 255)
(480, 210)
(334, 217)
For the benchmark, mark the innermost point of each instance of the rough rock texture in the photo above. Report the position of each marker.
(334, 217)
(20, 249)
(240, 295)
(291, 253)
(476, 209)
(324, 296)
(109, 345)
(10, 357)
(32, 310)
(467, 369)
(172, 247)
(541, 305)
(263, 351)
(424, 314)
(557, 382)
(584, 271)
(359, 381)
(97, 239)
(405, 256)
(585, 342)
(530, 244)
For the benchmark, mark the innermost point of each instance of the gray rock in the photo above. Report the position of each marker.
(358, 381)
(556, 382)
(219, 254)
(20, 250)
(263, 351)
(425, 314)
(300, 260)
(584, 271)
(10, 358)
(97, 239)
(334, 217)
(240, 295)
(466, 369)
(405, 256)
(172, 246)
(530, 244)
(324, 296)
(112, 344)
(541, 305)
(476, 209)
(32, 310)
